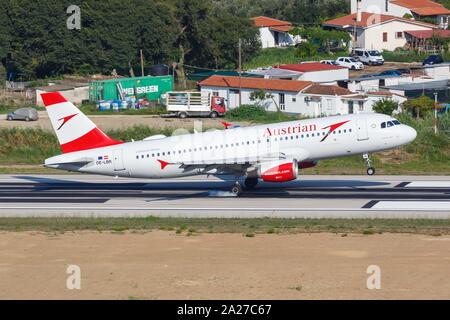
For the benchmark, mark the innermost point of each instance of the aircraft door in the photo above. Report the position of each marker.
(118, 160)
(361, 129)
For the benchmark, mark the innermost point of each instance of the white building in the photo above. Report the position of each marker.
(290, 96)
(318, 72)
(285, 95)
(275, 33)
(376, 31)
(416, 9)
(75, 93)
(374, 83)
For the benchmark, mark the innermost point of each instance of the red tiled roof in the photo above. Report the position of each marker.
(310, 67)
(255, 83)
(327, 90)
(369, 19)
(427, 34)
(282, 28)
(269, 22)
(380, 93)
(423, 7)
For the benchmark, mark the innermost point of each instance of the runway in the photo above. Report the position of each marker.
(201, 196)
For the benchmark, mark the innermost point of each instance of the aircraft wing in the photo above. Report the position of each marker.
(233, 164)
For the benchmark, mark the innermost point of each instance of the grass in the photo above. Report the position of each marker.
(275, 56)
(7, 108)
(247, 227)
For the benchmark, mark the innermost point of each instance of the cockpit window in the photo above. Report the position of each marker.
(390, 124)
(383, 125)
(396, 122)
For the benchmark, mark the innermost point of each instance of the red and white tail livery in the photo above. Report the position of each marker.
(74, 130)
(271, 152)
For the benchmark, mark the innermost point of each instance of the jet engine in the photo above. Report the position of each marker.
(307, 164)
(278, 171)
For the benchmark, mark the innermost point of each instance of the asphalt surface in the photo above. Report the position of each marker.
(308, 197)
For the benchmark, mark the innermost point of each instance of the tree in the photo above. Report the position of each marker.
(260, 96)
(307, 49)
(385, 106)
(325, 39)
(419, 107)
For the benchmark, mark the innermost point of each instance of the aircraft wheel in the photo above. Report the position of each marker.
(236, 189)
(371, 171)
(182, 115)
(250, 183)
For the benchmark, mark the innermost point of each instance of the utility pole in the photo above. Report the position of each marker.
(435, 113)
(142, 64)
(240, 70)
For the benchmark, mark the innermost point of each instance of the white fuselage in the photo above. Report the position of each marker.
(191, 154)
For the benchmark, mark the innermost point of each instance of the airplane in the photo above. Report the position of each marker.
(269, 152)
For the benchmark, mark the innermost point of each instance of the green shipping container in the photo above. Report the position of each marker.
(150, 87)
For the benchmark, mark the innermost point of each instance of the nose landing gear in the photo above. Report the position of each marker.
(370, 169)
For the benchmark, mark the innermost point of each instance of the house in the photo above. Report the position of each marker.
(290, 96)
(283, 94)
(318, 72)
(376, 31)
(415, 9)
(324, 100)
(417, 89)
(76, 93)
(275, 33)
(422, 40)
(366, 84)
(276, 73)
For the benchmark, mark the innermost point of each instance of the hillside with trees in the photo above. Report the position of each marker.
(36, 43)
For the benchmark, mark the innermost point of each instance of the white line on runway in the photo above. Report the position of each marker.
(412, 205)
(428, 184)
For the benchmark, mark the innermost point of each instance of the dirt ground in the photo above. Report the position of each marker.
(386, 66)
(163, 265)
(114, 122)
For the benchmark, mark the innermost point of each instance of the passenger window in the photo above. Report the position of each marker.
(383, 125)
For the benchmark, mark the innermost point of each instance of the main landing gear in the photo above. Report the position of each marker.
(370, 169)
(236, 189)
(250, 183)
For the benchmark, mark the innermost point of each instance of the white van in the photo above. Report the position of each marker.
(370, 57)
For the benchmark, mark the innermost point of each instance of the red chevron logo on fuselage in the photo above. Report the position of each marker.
(332, 128)
(65, 120)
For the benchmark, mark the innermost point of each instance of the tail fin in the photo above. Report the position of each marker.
(74, 130)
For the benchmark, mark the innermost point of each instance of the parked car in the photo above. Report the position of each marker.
(433, 59)
(370, 57)
(27, 114)
(333, 62)
(403, 71)
(390, 73)
(350, 63)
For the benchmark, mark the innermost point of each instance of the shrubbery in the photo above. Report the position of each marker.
(254, 113)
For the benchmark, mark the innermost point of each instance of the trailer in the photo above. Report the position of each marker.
(193, 104)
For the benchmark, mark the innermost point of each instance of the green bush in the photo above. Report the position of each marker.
(254, 113)
(385, 106)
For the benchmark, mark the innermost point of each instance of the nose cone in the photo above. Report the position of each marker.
(409, 134)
